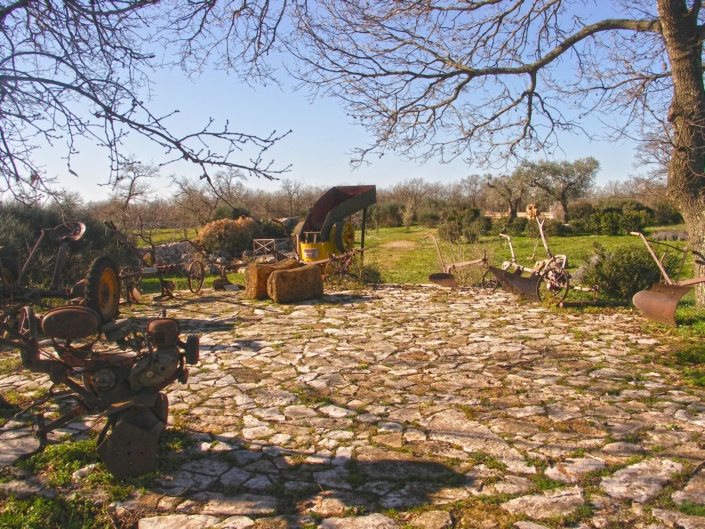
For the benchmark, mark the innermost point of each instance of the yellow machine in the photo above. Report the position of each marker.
(325, 232)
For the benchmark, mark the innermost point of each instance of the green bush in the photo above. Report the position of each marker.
(268, 229)
(634, 221)
(387, 214)
(581, 211)
(551, 228)
(227, 212)
(21, 227)
(665, 214)
(622, 272)
(429, 217)
(609, 223)
(450, 231)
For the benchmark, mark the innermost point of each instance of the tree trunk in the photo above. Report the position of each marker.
(564, 204)
(686, 182)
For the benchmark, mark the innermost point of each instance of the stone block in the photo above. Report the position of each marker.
(297, 284)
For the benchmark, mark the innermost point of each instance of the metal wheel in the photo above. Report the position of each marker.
(196, 276)
(344, 236)
(334, 269)
(103, 289)
(553, 285)
(489, 281)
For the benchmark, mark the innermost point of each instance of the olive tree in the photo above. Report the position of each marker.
(563, 181)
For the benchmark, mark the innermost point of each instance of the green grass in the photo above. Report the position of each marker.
(57, 513)
(150, 285)
(170, 235)
(405, 256)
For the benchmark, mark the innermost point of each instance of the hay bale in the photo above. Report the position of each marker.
(256, 275)
(298, 284)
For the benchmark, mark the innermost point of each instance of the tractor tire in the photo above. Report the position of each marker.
(103, 289)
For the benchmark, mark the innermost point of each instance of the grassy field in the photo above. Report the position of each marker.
(407, 256)
(171, 235)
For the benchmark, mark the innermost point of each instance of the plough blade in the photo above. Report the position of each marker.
(501, 276)
(525, 286)
(659, 304)
(444, 280)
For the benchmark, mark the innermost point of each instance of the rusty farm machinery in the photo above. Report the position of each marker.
(99, 291)
(447, 279)
(131, 276)
(548, 281)
(122, 383)
(327, 237)
(125, 387)
(660, 302)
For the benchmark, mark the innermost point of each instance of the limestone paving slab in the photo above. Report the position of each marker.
(406, 396)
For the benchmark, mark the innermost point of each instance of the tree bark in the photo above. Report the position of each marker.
(686, 182)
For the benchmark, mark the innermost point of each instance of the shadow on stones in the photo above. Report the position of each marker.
(299, 483)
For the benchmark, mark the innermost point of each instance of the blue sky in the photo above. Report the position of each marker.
(317, 149)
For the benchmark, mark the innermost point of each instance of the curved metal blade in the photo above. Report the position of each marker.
(501, 276)
(659, 304)
(444, 280)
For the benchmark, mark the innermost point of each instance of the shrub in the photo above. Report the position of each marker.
(229, 236)
(388, 214)
(450, 231)
(227, 212)
(634, 221)
(552, 228)
(429, 217)
(408, 219)
(268, 229)
(581, 210)
(609, 222)
(623, 272)
(665, 214)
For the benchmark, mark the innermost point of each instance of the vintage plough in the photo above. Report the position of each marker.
(660, 302)
(194, 272)
(446, 279)
(98, 291)
(123, 386)
(548, 281)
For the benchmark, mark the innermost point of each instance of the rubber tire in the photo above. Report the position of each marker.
(93, 288)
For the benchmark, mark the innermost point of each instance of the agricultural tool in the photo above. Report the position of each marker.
(446, 279)
(548, 281)
(194, 272)
(122, 386)
(98, 291)
(660, 302)
(325, 232)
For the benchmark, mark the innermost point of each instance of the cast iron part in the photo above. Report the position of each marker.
(659, 303)
(124, 385)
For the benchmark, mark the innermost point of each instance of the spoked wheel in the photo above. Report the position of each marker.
(552, 287)
(103, 289)
(196, 276)
(489, 281)
(334, 270)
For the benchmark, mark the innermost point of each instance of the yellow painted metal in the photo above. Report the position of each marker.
(320, 251)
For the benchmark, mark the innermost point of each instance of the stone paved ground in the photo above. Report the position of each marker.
(415, 407)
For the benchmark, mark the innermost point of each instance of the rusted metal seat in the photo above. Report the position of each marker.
(71, 322)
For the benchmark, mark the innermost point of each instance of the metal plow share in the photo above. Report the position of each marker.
(660, 302)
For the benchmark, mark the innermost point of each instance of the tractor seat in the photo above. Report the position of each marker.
(71, 322)
(68, 231)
